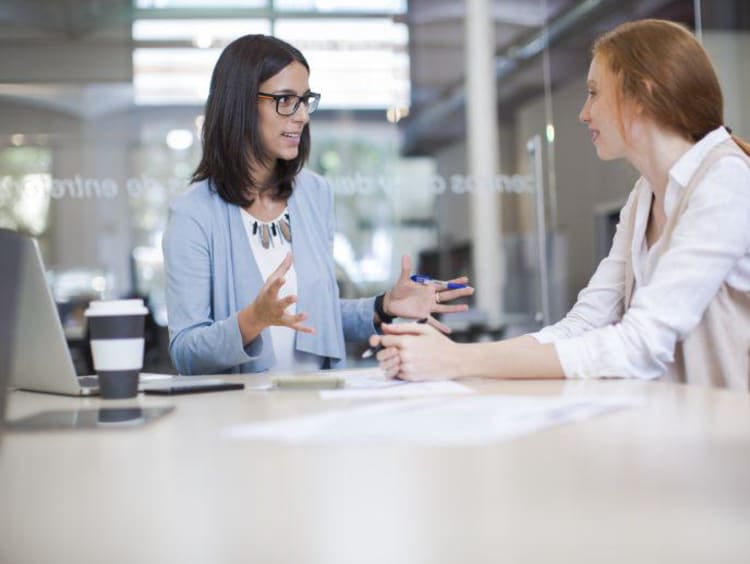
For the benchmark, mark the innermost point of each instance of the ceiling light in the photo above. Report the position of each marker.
(179, 139)
(203, 41)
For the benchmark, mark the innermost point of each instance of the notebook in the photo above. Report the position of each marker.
(37, 354)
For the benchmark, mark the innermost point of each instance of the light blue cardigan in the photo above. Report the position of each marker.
(211, 275)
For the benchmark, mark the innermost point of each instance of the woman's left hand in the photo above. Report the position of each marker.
(417, 301)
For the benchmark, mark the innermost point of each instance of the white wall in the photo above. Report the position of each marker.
(452, 210)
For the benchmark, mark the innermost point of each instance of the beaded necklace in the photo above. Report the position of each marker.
(280, 229)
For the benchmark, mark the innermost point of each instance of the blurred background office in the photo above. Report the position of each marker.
(447, 129)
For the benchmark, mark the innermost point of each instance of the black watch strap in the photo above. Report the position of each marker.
(384, 317)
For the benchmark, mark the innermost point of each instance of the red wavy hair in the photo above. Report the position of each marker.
(660, 65)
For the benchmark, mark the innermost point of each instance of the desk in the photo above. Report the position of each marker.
(666, 482)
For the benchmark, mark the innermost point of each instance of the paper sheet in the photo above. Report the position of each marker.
(371, 384)
(446, 421)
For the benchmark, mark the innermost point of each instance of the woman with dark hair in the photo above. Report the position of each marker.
(238, 300)
(672, 298)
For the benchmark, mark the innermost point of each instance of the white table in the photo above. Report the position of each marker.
(666, 482)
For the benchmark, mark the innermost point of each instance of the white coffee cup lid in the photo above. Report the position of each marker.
(116, 307)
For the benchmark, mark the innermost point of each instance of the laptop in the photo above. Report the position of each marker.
(8, 302)
(32, 339)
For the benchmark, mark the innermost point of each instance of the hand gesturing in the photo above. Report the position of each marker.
(268, 309)
(417, 301)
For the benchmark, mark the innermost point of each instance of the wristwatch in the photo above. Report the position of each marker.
(384, 317)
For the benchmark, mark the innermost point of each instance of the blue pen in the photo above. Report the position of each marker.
(424, 279)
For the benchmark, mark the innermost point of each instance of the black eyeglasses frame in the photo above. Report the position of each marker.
(305, 98)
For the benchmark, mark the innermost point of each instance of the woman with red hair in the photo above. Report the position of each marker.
(672, 298)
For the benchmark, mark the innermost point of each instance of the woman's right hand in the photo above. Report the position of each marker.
(268, 309)
(417, 351)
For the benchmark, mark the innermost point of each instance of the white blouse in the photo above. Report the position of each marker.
(288, 359)
(710, 245)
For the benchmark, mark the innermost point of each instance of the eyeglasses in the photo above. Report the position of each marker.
(288, 104)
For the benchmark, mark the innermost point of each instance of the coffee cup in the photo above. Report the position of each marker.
(116, 337)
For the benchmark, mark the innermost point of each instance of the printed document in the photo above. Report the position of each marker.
(439, 421)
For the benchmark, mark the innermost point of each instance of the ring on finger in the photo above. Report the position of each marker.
(437, 297)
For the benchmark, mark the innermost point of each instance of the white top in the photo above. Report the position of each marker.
(268, 260)
(710, 245)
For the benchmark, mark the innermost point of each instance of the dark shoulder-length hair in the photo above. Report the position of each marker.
(231, 136)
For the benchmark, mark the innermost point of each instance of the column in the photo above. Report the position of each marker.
(482, 159)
